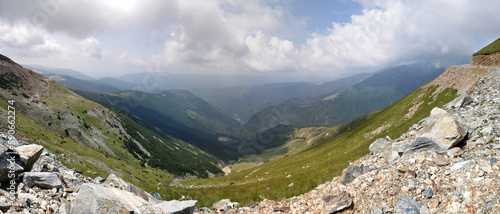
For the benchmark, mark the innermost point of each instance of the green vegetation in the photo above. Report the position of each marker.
(489, 49)
(320, 163)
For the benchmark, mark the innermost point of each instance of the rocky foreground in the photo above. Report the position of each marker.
(447, 163)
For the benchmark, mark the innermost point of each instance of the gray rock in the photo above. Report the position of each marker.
(429, 193)
(47, 180)
(351, 173)
(94, 198)
(99, 180)
(408, 206)
(459, 102)
(9, 161)
(177, 207)
(467, 164)
(29, 154)
(493, 162)
(418, 144)
(335, 203)
(378, 145)
(157, 195)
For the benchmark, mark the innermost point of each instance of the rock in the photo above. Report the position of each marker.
(221, 205)
(177, 207)
(378, 145)
(420, 143)
(442, 128)
(93, 198)
(29, 154)
(9, 161)
(459, 102)
(335, 203)
(350, 174)
(408, 206)
(463, 164)
(119, 183)
(493, 162)
(411, 185)
(429, 193)
(99, 180)
(226, 170)
(157, 195)
(47, 180)
(440, 161)
(4, 206)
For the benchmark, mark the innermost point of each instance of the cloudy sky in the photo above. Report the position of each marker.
(314, 37)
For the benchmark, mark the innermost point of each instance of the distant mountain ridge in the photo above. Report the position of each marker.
(373, 93)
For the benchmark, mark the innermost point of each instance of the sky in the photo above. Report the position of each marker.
(326, 38)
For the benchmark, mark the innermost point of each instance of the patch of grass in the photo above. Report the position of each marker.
(489, 49)
(318, 164)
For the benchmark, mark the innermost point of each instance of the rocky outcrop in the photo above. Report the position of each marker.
(50, 187)
(486, 60)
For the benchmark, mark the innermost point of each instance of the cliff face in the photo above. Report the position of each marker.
(486, 60)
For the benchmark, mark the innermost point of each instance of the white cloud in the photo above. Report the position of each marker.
(91, 48)
(393, 32)
(270, 53)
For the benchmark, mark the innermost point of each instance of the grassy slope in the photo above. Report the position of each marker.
(317, 164)
(489, 49)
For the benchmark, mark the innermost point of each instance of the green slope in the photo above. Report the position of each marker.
(319, 163)
(90, 137)
(489, 49)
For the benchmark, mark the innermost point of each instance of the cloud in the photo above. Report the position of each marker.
(270, 53)
(236, 36)
(395, 32)
(24, 39)
(91, 48)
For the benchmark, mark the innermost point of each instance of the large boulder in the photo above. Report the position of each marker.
(177, 207)
(47, 180)
(117, 182)
(443, 129)
(97, 199)
(29, 154)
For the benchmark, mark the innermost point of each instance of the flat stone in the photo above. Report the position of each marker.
(47, 180)
(177, 207)
(440, 161)
(335, 203)
(463, 164)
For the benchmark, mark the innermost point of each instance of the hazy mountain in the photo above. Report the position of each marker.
(86, 85)
(62, 71)
(243, 101)
(373, 93)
